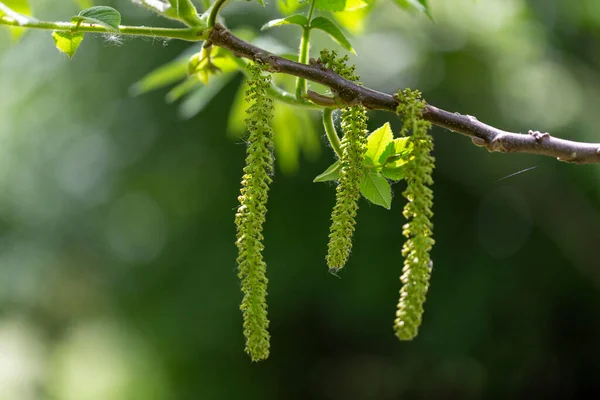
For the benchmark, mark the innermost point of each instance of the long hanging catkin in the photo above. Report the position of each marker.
(353, 146)
(250, 215)
(418, 230)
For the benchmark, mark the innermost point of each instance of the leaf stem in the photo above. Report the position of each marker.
(214, 11)
(304, 52)
(332, 135)
(194, 34)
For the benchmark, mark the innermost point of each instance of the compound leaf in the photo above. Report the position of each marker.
(376, 189)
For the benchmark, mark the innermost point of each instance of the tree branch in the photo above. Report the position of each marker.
(481, 134)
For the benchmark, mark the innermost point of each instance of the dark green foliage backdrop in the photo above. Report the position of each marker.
(117, 255)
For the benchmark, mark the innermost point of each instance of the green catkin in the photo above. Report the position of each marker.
(418, 230)
(353, 146)
(250, 214)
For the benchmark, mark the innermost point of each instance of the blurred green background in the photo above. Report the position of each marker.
(117, 256)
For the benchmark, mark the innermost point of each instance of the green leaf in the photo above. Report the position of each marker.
(106, 16)
(181, 10)
(377, 144)
(340, 5)
(158, 6)
(199, 99)
(289, 6)
(186, 11)
(331, 5)
(353, 21)
(83, 4)
(376, 189)
(329, 27)
(397, 153)
(415, 5)
(164, 75)
(296, 135)
(353, 5)
(395, 174)
(17, 10)
(296, 19)
(330, 174)
(182, 89)
(67, 42)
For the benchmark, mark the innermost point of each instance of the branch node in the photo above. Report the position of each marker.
(539, 136)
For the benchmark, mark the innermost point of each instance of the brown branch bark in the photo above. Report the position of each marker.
(483, 135)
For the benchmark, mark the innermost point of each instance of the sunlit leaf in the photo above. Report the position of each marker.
(353, 5)
(287, 7)
(296, 19)
(354, 21)
(18, 10)
(376, 189)
(331, 5)
(415, 5)
(397, 153)
(378, 142)
(200, 98)
(395, 174)
(294, 135)
(164, 75)
(329, 27)
(83, 4)
(67, 42)
(330, 174)
(186, 11)
(159, 6)
(182, 89)
(182, 10)
(100, 15)
(237, 113)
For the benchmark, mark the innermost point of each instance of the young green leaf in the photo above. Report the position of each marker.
(329, 27)
(376, 189)
(353, 5)
(331, 5)
(83, 4)
(296, 19)
(354, 21)
(186, 11)
(395, 174)
(178, 91)
(159, 6)
(17, 10)
(418, 5)
(106, 16)
(378, 143)
(199, 99)
(289, 6)
(67, 42)
(396, 153)
(181, 10)
(164, 75)
(296, 135)
(330, 174)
